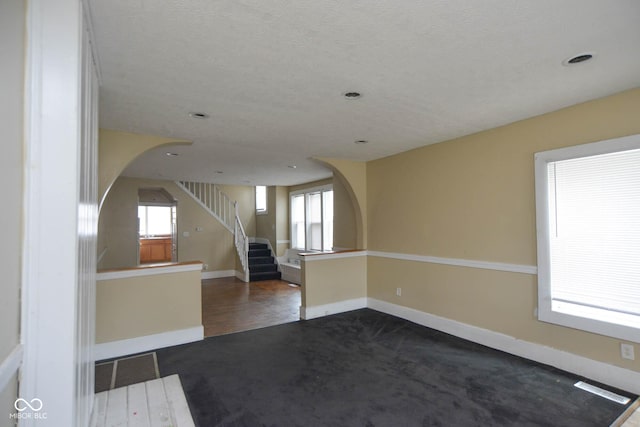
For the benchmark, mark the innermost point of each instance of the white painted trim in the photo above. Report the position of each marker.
(244, 276)
(282, 242)
(317, 188)
(340, 249)
(205, 207)
(86, 8)
(125, 347)
(10, 365)
(154, 271)
(307, 313)
(615, 376)
(543, 224)
(459, 262)
(323, 257)
(218, 274)
(50, 323)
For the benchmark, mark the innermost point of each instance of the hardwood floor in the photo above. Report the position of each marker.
(231, 305)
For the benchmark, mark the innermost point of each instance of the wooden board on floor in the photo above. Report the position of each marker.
(155, 403)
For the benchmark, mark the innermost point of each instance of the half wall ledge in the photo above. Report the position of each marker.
(148, 307)
(329, 279)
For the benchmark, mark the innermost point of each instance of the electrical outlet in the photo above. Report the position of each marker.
(199, 228)
(399, 292)
(626, 351)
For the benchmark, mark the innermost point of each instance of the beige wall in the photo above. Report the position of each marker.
(139, 306)
(12, 52)
(274, 226)
(282, 220)
(344, 217)
(473, 198)
(352, 177)
(117, 149)
(246, 198)
(213, 246)
(327, 280)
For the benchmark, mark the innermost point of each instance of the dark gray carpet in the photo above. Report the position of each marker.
(365, 368)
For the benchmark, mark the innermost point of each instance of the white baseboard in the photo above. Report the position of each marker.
(307, 313)
(113, 349)
(242, 276)
(218, 274)
(615, 376)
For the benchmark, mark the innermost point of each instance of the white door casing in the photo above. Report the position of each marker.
(60, 215)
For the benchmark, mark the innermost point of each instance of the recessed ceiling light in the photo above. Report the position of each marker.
(352, 95)
(292, 166)
(170, 154)
(361, 141)
(198, 115)
(577, 59)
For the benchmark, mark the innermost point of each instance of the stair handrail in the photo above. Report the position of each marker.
(212, 199)
(220, 206)
(242, 241)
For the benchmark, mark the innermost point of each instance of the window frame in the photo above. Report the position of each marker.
(304, 192)
(172, 221)
(545, 310)
(264, 211)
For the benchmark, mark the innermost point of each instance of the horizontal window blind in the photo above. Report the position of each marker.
(594, 227)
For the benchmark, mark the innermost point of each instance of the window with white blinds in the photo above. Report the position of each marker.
(589, 237)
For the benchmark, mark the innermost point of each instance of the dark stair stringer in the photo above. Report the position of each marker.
(262, 265)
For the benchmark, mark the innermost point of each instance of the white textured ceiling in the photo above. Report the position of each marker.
(271, 73)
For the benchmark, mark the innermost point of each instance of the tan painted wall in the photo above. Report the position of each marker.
(282, 220)
(117, 149)
(139, 306)
(473, 198)
(12, 52)
(327, 281)
(352, 176)
(246, 198)
(213, 246)
(344, 217)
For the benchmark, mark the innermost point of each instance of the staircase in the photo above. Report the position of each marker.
(261, 263)
(225, 210)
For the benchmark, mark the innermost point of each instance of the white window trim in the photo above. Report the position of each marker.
(264, 211)
(316, 189)
(545, 312)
